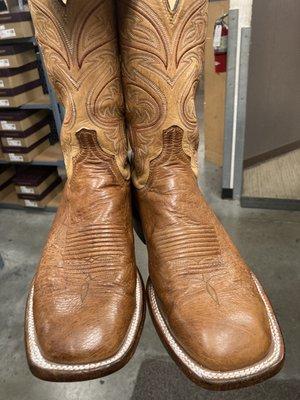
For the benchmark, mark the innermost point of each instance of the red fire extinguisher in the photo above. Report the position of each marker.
(220, 44)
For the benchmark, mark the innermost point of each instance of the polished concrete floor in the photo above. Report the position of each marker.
(269, 241)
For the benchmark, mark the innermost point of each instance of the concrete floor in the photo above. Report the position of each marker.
(269, 241)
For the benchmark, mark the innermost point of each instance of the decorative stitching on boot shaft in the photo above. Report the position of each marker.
(162, 55)
(79, 44)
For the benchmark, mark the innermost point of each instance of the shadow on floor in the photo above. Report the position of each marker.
(162, 380)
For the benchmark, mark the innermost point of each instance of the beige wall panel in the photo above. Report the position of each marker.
(214, 91)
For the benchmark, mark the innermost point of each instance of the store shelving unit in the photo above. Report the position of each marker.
(52, 156)
(42, 103)
(12, 202)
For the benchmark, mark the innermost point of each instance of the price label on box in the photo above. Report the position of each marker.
(14, 142)
(4, 62)
(1, 83)
(15, 157)
(7, 33)
(26, 189)
(4, 103)
(31, 203)
(8, 126)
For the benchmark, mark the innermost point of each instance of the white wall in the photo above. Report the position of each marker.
(245, 14)
(245, 10)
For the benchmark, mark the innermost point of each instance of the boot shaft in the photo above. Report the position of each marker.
(79, 44)
(162, 45)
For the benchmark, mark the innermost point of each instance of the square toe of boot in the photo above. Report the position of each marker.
(228, 347)
(82, 343)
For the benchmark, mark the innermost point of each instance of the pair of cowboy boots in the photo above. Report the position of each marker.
(86, 306)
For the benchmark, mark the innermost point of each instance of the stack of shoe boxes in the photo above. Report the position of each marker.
(19, 77)
(24, 134)
(36, 185)
(16, 25)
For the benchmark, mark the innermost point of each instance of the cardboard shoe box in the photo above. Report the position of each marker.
(34, 179)
(16, 25)
(26, 138)
(11, 78)
(42, 200)
(6, 173)
(25, 154)
(6, 180)
(5, 189)
(16, 55)
(21, 94)
(36, 186)
(20, 120)
(26, 141)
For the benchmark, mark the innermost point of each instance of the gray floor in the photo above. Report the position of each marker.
(269, 241)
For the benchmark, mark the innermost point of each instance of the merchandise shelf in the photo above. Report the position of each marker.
(52, 156)
(43, 102)
(11, 201)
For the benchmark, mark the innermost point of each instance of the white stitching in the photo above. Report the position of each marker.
(271, 359)
(39, 361)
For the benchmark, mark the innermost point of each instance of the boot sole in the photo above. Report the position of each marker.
(51, 371)
(216, 380)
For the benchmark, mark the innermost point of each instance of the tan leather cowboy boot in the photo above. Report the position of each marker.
(85, 309)
(208, 308)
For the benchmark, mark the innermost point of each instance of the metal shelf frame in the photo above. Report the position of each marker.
(11, 206)
(56, 163)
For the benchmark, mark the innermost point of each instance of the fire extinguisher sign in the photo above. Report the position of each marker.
(220, 44)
